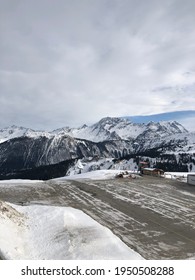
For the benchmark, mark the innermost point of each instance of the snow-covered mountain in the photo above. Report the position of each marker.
(23, 148)
(117, 128)
(172, 144)
(19, 131)
(105, 130)
(27, 152)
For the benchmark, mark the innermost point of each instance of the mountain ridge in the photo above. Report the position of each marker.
(23, 150)
(107, 128)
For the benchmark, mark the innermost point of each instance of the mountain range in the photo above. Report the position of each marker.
(25, 152)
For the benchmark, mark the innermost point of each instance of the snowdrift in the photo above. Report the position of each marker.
(51, 232)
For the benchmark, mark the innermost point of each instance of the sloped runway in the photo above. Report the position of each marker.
(154, 216)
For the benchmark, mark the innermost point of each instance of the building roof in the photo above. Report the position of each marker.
(152, 169)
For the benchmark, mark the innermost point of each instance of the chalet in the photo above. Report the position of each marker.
(152, 171)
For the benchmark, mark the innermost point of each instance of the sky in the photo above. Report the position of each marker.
(185, 118)
(70, 62)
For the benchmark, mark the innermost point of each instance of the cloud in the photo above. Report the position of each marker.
(71, 62)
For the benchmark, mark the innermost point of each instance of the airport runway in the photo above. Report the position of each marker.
(153, 216)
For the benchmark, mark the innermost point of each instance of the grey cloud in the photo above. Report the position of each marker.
(69, 62)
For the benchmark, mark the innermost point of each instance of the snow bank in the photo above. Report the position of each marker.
(50, 232)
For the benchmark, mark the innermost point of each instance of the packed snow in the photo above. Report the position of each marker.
(51, 232)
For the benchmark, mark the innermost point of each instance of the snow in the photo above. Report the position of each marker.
(106, 129)
(102, 130)
(19, 181)
(9, 133)
(89, 164)
(181, 142)
(93, 175)
(103, 174)
(182, 176)
(51, 232)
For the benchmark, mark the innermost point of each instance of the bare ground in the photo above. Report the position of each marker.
(154, 216)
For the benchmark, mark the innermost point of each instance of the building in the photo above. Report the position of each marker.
(142, 165)
(191, 179)
(152, 171)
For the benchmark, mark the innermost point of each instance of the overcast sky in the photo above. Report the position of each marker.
(69, 62)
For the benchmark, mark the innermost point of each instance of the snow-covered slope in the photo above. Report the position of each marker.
(25, 152)
(162, 129)
(51, 232)
(174, 143)
(105, 130)
(14, 131)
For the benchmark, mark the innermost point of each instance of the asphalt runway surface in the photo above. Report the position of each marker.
(153, 216)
